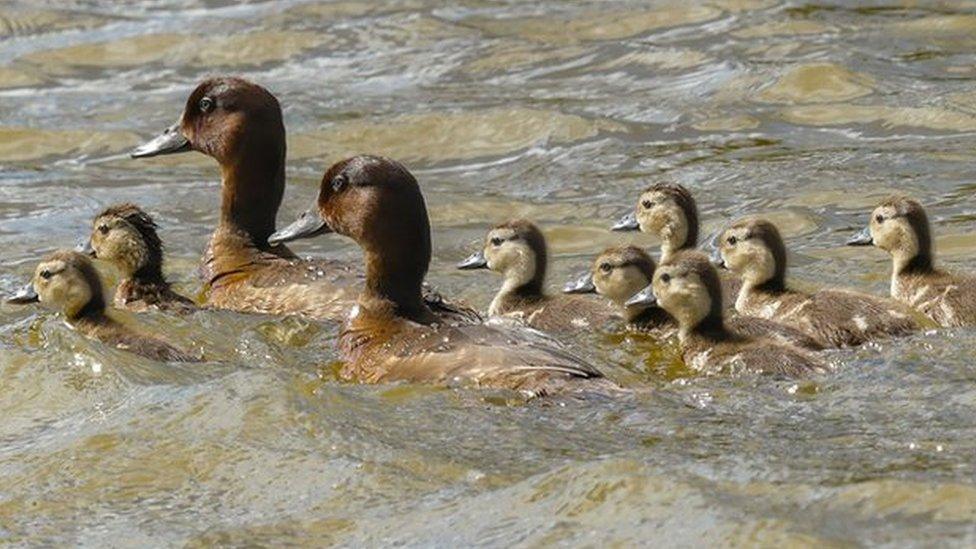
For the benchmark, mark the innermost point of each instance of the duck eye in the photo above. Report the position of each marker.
(46, 274)
(103, 229)
(496, 241)
(338, 182)
(606, 267)
(879, 218)
(732, 240)
(665, 278)
(206, 104)
(647, 204)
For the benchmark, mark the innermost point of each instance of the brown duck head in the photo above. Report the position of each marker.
(239, 124)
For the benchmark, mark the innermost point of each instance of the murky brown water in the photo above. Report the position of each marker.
(558, 111)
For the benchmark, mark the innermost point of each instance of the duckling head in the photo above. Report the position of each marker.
(688, 288)
(620, 272)
(900, 227)
(668, 211)
(125, 235)
(517, 250)
(753, 249)
(68, 282)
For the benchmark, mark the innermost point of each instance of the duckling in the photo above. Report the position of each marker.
(239, 124)
(619, 273)
(517, 249)
(125, 236)
(68, 282)
(688, 288)
(669, 211)
(753, 250)
(393, 334)
(900, 227)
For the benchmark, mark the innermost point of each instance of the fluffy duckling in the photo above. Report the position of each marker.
(125, 236)
(393, 334)
(517, 250)
(619, 273)
(688, 288)
(669, 211)
(753, 249)
(900, 227)
(68, 282)
(239, 124)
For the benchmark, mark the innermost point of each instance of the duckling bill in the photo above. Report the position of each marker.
(900, 226)
(67, 281)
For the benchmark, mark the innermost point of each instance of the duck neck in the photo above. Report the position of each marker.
(519, 285)
(674, 238)
(91, 313)
(394, 280)
(149, 274)
(251, 193)
(711, 327)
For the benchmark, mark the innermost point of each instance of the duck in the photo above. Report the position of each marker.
(67, 282)
(620, 272)
(239, 124)
(617, 274)
(392, 334)
(753, 250)
(669, 211)
(517, 250)
(125, 236)
(900, 226)
(687, 286)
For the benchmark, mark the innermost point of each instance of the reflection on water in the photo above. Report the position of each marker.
(558, 111)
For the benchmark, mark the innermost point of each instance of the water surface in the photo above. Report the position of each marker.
(557, 111)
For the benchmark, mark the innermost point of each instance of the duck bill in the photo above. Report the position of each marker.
(583, 284)
(626, 223)
(24, 296)
(718, 260)
(476, 260)
(308, 225)
(862, 238)
(85, 247)
(171, 141)
(643, 298)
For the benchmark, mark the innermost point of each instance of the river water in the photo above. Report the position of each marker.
(556, 111)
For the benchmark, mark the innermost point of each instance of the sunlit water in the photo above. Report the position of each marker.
(560, 112)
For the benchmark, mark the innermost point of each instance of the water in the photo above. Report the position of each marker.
(556, 111)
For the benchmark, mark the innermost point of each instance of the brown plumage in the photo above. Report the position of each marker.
(900, 226)
(753, 249)
(68, 282)
(617, 274)
(688, 287)
(517, 250)
(393, 334)
(125, 235)
(239, 124)
(620, 272)
(669, 211)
